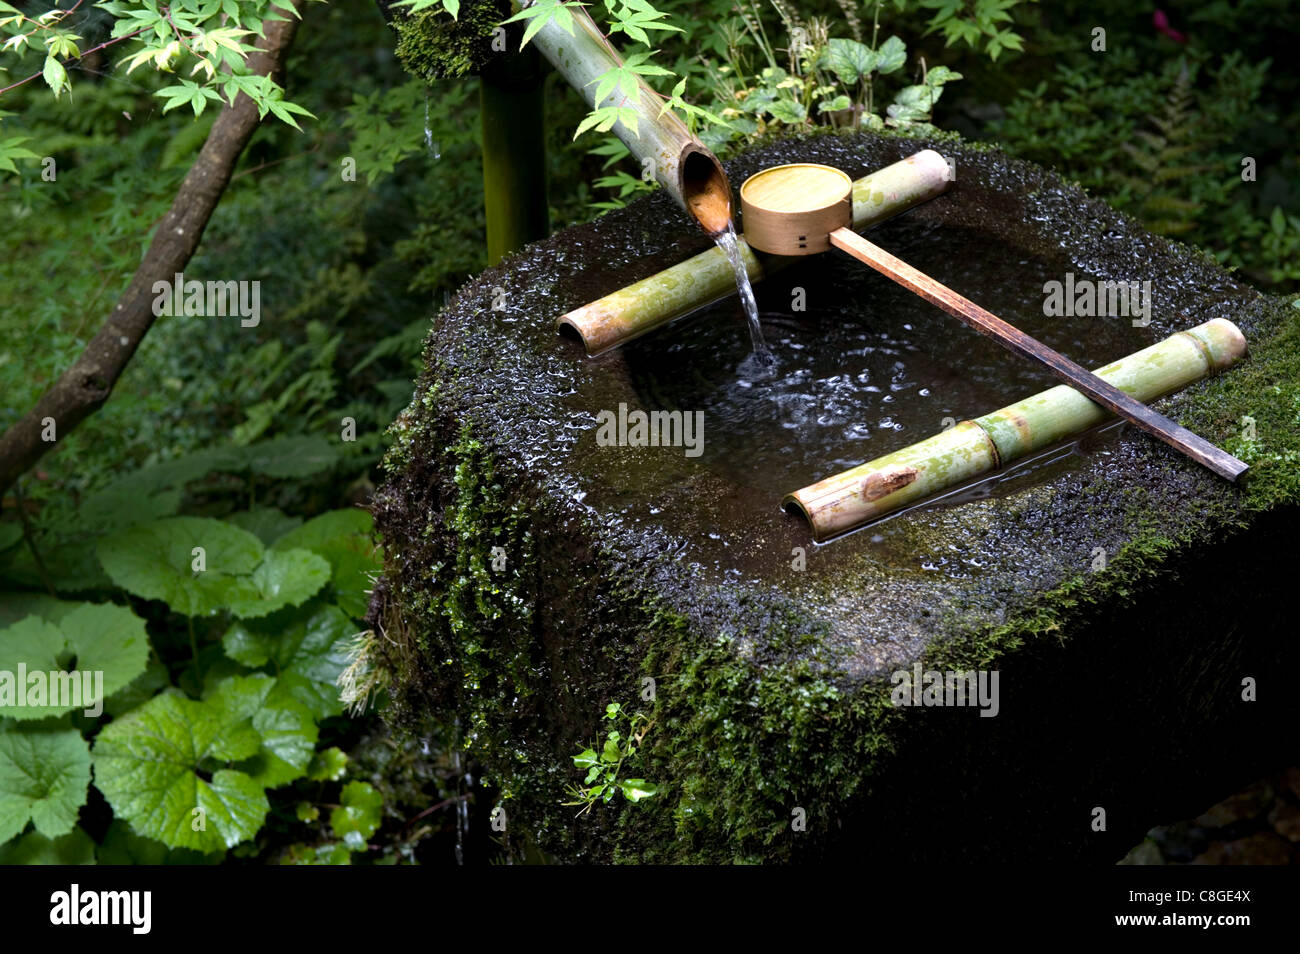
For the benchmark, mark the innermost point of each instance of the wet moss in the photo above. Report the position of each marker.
(431, 45)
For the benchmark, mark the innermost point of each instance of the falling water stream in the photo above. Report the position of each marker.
(761, 363)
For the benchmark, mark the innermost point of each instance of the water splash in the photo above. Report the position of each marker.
(761, 363)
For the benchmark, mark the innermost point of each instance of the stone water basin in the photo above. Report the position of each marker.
(536, 574)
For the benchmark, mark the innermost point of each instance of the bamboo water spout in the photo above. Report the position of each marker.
(855, 497)
(687, 170)
(644, 306)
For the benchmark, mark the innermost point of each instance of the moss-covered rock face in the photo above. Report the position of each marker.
(1121, 593)
(431, 45)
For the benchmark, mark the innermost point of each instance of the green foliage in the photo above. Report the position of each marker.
(100, 637)
(603, 768)
(734, 82)
(358, 814)
(199, 566)
(185, 771)
(44, 774)
(236, 426)
(165, 768)
(206, 36)
(1164, 145)
(305, 654)
(34, 848)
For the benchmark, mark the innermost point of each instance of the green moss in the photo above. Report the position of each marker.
(431, 45)
(1266, 388)
(750, 728)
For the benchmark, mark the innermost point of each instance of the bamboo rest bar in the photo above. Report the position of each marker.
(875, 489)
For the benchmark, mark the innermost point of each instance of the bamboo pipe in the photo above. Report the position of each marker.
(687, 170)
(699, 281)
(850, 499)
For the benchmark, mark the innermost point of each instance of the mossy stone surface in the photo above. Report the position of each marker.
(533, 577)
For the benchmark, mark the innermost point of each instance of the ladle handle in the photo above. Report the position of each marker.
(1012, 338)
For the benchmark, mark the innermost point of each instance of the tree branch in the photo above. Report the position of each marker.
(84, 387)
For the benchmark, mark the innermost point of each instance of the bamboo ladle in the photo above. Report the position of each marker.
(804, 208)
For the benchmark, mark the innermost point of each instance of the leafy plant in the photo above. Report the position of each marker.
(603, 780)
(1165, 146)
(197, 740)
(208, 36)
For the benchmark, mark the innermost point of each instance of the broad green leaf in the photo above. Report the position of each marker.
(914, 102)
(635, 789)
(44, 775)
(122, 846)
(40, 648)
(152, 765)
(268, 524)
(788, 111)
(74, 848)
(328, 765)
(283, 578)
(121, 505)
(56, 77)
(156, 560)
(360, 810)
(939, 75)
(891, 55)
(107, 638)
(285, 727)
(305, 654)
(343, 537)
(30, 642)
(159, 560)
(289, 737)
(849, 60)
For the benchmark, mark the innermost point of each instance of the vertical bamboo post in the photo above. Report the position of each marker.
(513, 119)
